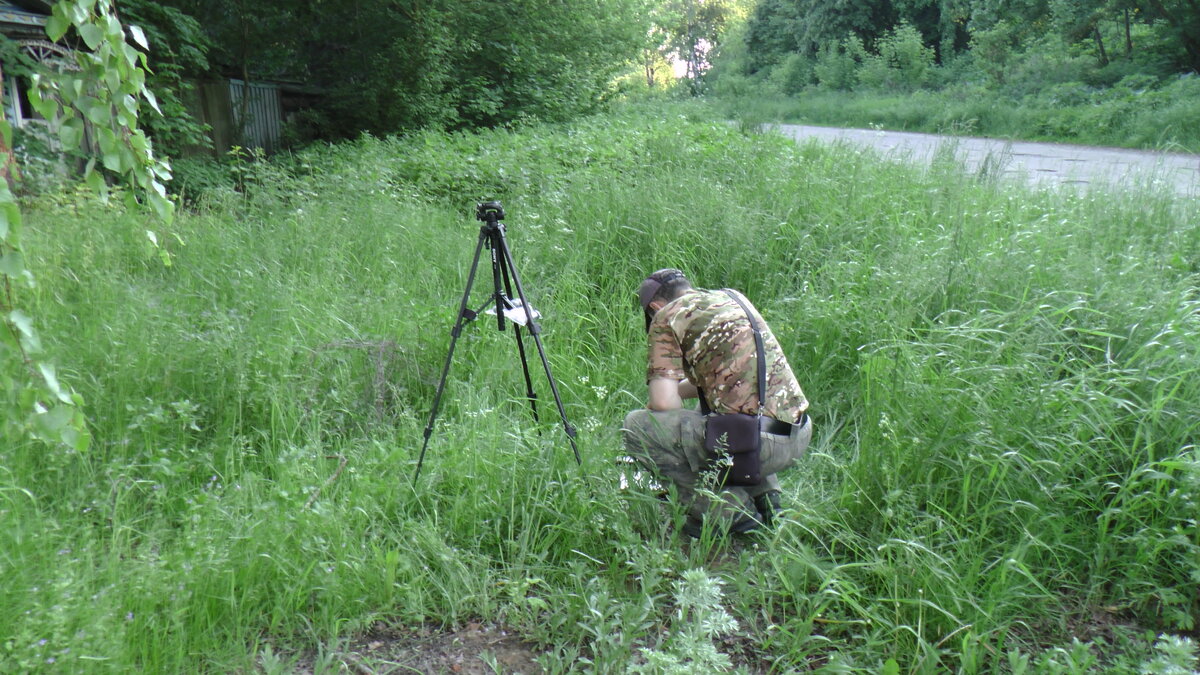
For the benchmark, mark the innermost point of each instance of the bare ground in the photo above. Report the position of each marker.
(474, 649)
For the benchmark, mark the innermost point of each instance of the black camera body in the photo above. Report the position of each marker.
(489, 211)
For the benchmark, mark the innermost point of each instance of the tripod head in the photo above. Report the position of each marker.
(490, 212)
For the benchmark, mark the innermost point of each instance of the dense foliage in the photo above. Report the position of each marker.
(178, 48)
(381, 67)
(1119, 73)
(1004, 476)
(91, 106)
(1110, 29)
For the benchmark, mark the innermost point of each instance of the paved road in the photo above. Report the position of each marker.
(1039, 163)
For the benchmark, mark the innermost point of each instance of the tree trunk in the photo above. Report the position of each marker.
(1190, 42)
(8, 165)
(1100, 45)
(245, 111)
(1128, 35)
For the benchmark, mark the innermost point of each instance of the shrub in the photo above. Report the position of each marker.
(837, 65)
(197, 178)
(1042, 64)
(1116, 71)
(1068, 94)
(735, 86)
(902, 61)
(1174, 120)
(41, 167)
(792, 75)
(991, 50)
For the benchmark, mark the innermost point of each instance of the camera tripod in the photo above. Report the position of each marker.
(504, 279)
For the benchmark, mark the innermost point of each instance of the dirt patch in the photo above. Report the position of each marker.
(474, 649)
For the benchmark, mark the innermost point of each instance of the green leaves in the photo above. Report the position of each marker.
(56, 27)
(11, 264)
(117, 157)
(21, 321)
(50, 375)
(152, 100)
(70, 134)
(46, 107)
(105, 95)
(92, 35)
(102, 97)
(139, 37)
(62, 424)
(10, 219)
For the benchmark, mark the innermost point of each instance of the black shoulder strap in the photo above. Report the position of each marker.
(758, 344)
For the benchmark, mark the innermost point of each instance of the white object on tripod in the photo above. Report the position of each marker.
(631, 475)
(516, 313)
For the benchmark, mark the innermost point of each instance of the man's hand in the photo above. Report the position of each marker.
(664, 394)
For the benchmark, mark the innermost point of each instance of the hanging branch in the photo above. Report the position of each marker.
(106, 94)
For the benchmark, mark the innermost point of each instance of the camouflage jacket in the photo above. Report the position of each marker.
(704, 336)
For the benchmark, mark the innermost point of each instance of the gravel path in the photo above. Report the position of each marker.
(1038, 163)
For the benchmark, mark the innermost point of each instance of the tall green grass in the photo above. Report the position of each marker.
(1004, 473)
(1138, 116)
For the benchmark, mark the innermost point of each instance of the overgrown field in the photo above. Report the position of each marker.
(1004, 475)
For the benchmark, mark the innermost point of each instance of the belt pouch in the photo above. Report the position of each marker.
(736, 436)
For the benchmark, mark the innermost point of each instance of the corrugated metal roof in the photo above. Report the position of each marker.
(39, 6)
(12, 14)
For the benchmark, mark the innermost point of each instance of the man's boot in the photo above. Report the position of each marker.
(768, 504)
(693, 527)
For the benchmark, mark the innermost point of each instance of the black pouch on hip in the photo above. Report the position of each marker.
(735, 436)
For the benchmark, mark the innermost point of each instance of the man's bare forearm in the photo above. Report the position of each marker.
(664, 395)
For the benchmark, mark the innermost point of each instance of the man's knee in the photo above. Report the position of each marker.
(636, 419)
(636, 430)
(780, 453)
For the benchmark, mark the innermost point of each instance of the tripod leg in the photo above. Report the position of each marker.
(535, 331)
(529, 392)
(501, 274)
(464, 315)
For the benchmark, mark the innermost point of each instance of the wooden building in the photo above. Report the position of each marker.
(24, 22)
(250, 115)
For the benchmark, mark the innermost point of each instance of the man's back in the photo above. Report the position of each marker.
(706, 337)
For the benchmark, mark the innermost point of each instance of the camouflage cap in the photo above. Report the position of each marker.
(651, 286)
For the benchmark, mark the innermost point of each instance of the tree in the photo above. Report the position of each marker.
(105, 95)
(382, 67)
(550, 60)
(692, 29)
(806, 26)
(1003, 28)
(1182, 18)
(246, 39)
(772, 32)
(826, 22)
(178, 47)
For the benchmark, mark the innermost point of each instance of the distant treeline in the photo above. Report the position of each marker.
(896, 44)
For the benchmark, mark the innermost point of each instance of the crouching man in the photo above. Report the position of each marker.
(702, 344)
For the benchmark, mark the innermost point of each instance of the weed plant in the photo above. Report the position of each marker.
(1004, 476)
